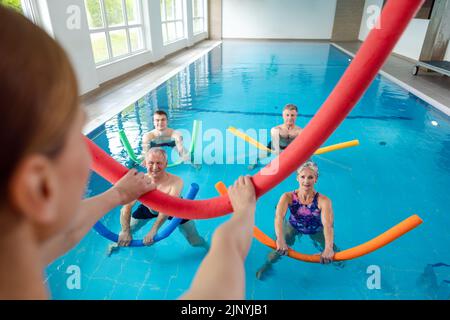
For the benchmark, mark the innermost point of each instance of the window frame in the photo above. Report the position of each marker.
(29, 8)
(165, 22)
(106, 29)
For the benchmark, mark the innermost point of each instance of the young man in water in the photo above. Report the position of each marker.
(163, 136)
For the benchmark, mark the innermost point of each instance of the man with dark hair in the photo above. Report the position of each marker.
(163, 136)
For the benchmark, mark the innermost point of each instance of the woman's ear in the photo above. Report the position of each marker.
(33, 189)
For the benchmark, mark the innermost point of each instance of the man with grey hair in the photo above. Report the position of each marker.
(156, 163)
(283, 134)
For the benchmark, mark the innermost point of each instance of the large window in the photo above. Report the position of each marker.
(116, 28)
(172, 20)
(198, 7)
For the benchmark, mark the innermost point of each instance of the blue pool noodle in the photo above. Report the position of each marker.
(164, 233)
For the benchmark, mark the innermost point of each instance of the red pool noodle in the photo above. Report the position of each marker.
(364, 67)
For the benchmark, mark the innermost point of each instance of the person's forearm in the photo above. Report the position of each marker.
(125, 217)
(145, 147)
(91, 210)
(241, 225)
(329, 237)
(279, 226)
(275, 142)
(221, 274)
(94, 208)
(159, 222)
(182, 152)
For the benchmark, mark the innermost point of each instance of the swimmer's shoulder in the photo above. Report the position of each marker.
(176, 184)
(175, 180)
(323, 200)
(276, 129)
(286, 197)
(149, 135)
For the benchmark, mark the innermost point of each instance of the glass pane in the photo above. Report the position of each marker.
(119, 44)
(163, 10)
(14, 4)
(164, 33)
(198, 25)
(200, 8)
(171, 33)
(94, 14)
(180, 30)
(170, 10)
(136, 39)
(114, 13)
(99, 47)
(195, 8)
(179, 10)
(133, 12)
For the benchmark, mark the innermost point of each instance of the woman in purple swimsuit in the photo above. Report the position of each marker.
(311, 214)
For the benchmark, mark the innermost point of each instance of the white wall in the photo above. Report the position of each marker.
(54, 17)
(278, 19)
(74, 38)
(411, 42)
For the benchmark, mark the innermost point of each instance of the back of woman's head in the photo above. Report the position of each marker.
(38, 94)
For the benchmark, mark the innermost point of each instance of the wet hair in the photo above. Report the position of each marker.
(38, 93)
(156, 150)
(161, 113)
(290, 107)
(309, 165)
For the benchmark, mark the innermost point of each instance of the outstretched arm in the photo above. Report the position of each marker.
(125, 236)
(178, 138)
(222, 274)
(146, 142)
(282, 207)
(131, 186)
(275, 136)
(328, 230)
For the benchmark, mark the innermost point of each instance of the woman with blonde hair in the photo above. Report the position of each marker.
(311, 214)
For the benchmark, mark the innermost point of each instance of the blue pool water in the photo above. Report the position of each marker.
(402, 167)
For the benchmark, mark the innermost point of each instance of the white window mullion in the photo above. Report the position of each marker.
(108, 39)
(144, 42)
(125, 12)
(30, 11)
(164, 10)
(182, 18)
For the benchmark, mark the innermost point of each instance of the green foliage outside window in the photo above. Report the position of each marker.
(15, 4)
